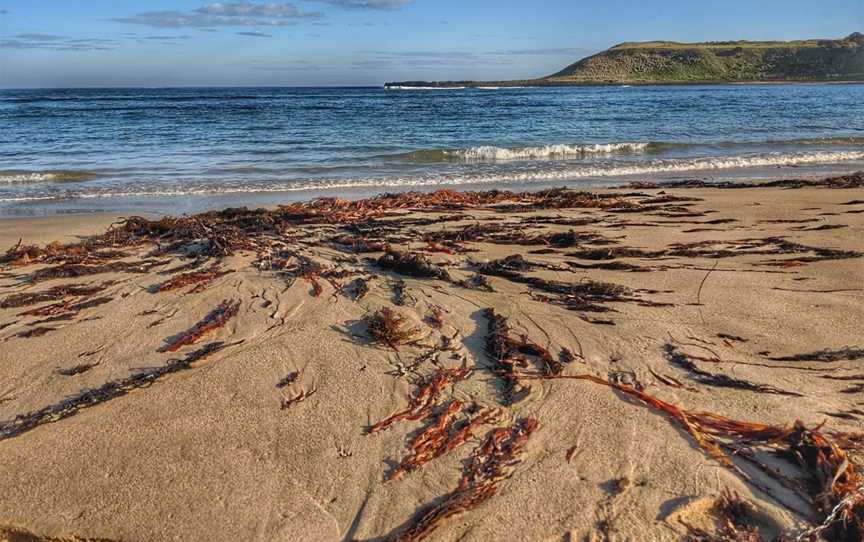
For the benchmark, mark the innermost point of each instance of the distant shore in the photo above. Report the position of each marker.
(533, 83)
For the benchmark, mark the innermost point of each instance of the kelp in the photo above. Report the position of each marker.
(411, 265)
(387, 328)
(421, 403)
(490, 464)
(70, 270)
(287, 380)
(509, 354)
(734, 518)
(435, 318)
(443, 435)
(831, 479)
(216, 319)
(679, 359)
(854, 180)
(475, 282)
(66, 310)
(35, 332)
(79, 253)
(200, 280)
(826, 356)
(52, 294)
(584, 295)
(299, 398)
(108, 391)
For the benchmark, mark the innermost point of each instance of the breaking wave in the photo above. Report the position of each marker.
(34, 177)
(517, 173)
(488, 153)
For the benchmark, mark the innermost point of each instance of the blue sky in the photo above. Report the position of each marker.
(71, 43)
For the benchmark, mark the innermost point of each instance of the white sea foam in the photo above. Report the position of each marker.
(490, 153)
(391, 87)
(517, 174)
(32, 177)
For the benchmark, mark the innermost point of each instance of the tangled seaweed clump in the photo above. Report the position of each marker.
(386, 327)
(421, 403)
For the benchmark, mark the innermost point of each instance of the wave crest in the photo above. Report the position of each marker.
(35, 177)
(489, 153)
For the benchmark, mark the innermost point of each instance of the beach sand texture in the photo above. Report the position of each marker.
(233, 376)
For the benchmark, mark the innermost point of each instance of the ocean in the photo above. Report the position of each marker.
(190, 149)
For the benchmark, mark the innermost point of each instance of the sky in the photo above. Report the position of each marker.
(160, 43)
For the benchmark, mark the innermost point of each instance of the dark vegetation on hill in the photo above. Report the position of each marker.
(662, 62)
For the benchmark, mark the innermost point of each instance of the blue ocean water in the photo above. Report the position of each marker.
(183, 150)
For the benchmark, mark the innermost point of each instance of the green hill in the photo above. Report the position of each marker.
(662, 62)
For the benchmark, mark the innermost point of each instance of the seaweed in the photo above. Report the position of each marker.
(831, 478)
(826, 356)
(475, 282)
(35, 332)
(681, 360)
(735, 519)
(288, 379)
(435, 318)
(585, 295)
(356, 290)
(108, 391)
(411, 265)
(421, 403)
(854, 180)
(77, 369)
(299, 398)
(386, 327)
(52, 294)
(509, 353)
(216, 319)
(489, 465)
(74, 270)
(441, 436)
(200, 279)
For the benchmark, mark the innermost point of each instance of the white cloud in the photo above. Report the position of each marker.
(231, 14)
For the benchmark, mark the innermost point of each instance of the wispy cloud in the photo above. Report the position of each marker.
(53, 42)
(286, 66)
(369, 4)
(543, 52)
(231, 14)
(379, 60)
(255, 34)
(167, 39)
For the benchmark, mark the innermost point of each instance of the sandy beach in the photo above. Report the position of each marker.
(448, 366)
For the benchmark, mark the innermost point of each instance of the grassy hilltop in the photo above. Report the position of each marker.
(663, 62)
